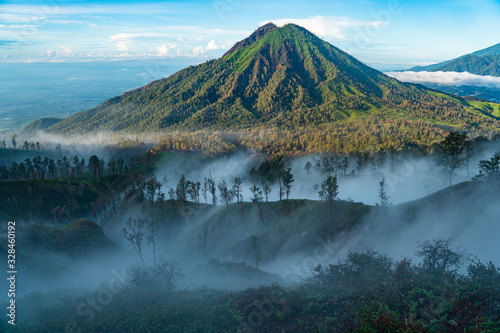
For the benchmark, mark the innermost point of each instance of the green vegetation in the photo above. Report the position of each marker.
(39, 125)
(479, 65)
(48, 200)
(78, 238)
(284, 90)
(365, 292)
(482, 62)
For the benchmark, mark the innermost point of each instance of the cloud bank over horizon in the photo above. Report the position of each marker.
(455, 79)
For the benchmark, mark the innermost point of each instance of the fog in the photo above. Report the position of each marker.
(456, 79)
(468, 212)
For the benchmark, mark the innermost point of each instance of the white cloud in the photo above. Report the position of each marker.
(198, 50)
(340, 28)
(122, 40)
(63, 52)
(455, 79)
(168, 50)
(17, 18)
(211, 46)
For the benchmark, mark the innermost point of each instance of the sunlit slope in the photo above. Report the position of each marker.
(282, 78)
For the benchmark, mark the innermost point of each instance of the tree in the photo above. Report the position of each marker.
(58, 149)
(308, 167)
(3, 144)
(257, 200)
(133, 233)
(211, 188)
(152, 227)
(94, 165)
(138, 183)
(382, 193)
(361, 160)
(329, 190)
(469, 152)
(13, 140)
(120, 163)
(52, 168)
(287, 179)
(344, 165)
(193, 190)
(224, 192)
(278, 166)
(76, 163)
(440, 255)
(326, 163)
(237, 190)
(380, 159)
(153, 188)
(204, 189)
(267, 190)
(181, 189)
(452, 153)
(112, 166)
(489, 170)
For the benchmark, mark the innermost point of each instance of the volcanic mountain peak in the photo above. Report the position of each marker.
(283, 77)
(255, 36)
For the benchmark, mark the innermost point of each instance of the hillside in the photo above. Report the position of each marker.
(286, 89)
(39, 125)
(482, 62)
(49, 200)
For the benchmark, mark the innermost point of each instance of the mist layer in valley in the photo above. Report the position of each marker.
(422, 206)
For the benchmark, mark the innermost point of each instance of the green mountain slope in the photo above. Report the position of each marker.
(482, 62)
(284, 78)
(489, 51)
(40, 125)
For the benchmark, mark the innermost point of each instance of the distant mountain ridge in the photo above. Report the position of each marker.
(287, 80)
(39, 125)
(482, 62)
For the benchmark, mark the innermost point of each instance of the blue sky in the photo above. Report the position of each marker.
(385, 34)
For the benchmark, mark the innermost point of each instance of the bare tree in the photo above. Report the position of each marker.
(152, 228)
(267, 190)
(440, 255)
(237, 190)
(225, 194)
(308, 167)
(287, 179)
(257, 200)
(133, 233)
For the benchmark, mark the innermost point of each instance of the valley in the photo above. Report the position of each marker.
(284, 186)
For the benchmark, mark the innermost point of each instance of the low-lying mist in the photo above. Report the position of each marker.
(240, 246)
